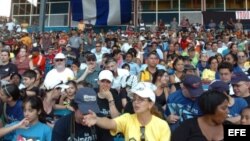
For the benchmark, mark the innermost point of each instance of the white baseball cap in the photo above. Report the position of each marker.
(60, 56)
(50, 84)
(143, 89)
(106, 74)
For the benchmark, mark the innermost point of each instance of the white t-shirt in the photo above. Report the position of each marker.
(64, 76)
(10, 26)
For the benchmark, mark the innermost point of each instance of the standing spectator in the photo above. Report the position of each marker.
(75, 42)
(11, 26)
(161, 26)
(230, 24)
(46, 42)
(174, 25)
(212, 25)
(81, 26)
(22, 60)
(184, 24)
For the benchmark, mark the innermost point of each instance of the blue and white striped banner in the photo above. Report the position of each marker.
(102, 12)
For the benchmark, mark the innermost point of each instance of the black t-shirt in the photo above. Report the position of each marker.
(62, 131)
(104, 109)
(6, 70)
(190, 131)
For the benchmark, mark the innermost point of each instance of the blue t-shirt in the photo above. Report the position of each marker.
(37, 132)
(239, 104)
(14, 113)
(182, 106)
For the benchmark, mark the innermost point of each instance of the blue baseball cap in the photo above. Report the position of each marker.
(86, 98)
(239, 76)
(193, 84)
(219, 86)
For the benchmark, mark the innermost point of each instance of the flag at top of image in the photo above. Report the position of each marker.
(102, 12)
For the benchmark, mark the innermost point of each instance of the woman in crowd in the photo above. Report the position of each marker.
(161, 80)
(209, 126)
(143, 125)
(208, 75)
(175, 79)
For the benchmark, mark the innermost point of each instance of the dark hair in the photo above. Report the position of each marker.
(125, 65)
(225, 65)
(133, 51)
(116, 52)
(11, 90)
(179, 58)
(77, 63)
(36, 103)
(72, 82)
(211, 59)
(234, 56)
(15, 74)
(30, 74)
(210, 100)
(6, 50)
(158, 73)
(109, 60)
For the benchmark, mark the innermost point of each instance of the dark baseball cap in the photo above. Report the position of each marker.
(193, 84)
(239, 76)
(86, 98)
(219, 86)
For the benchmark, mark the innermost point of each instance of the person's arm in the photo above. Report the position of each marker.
(5, 130)
(112, 105)
(91, 119)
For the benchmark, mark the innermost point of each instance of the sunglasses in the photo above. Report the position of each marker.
(142, 130)
(57, 60)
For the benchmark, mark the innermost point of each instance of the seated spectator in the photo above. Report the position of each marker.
(209, 126)
(32, 126)
(182, 104)
(236, 104)
(245, 116)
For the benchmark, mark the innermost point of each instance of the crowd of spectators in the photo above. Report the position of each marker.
(154, 83)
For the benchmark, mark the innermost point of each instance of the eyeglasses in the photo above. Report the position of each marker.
(97, 46)
(105, 81)
(241, 56)
(237, 85)
(139, 100)
(57, 60)
(142, 130)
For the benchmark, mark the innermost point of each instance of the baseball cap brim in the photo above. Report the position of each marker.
(195, 92)
(85, 107)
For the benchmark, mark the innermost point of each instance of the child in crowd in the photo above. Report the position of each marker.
(32, 126)
(9, 95)
(69, 95)
(29, 78)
